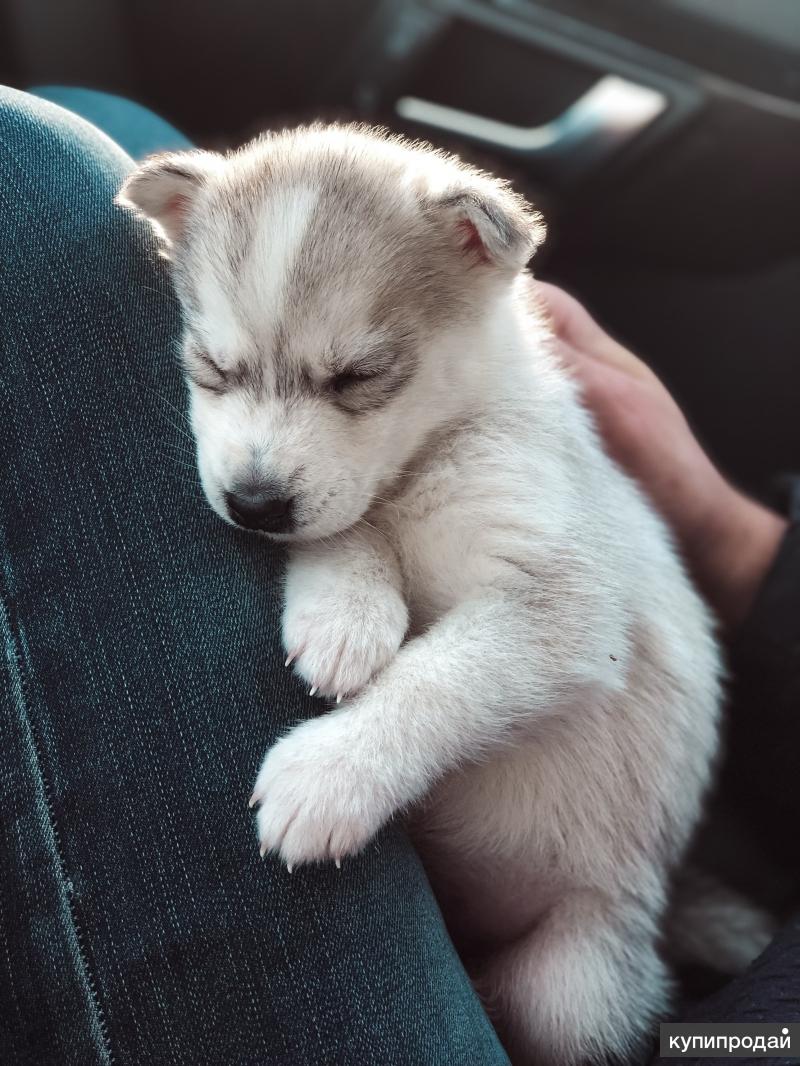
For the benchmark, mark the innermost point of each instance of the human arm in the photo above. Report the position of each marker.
(729, 540)
(744, 557)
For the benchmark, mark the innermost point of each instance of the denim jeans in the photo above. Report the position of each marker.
(141, 682)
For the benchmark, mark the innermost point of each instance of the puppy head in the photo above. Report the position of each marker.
(331, 279)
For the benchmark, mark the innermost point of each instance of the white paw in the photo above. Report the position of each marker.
(341, 637)
(318, 801)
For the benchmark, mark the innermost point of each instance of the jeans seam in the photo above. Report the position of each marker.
(11, 627)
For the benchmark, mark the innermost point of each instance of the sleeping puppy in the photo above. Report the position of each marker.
(516, 655)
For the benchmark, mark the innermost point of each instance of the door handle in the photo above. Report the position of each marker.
(609, 115)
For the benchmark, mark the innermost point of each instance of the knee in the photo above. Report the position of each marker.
(57, 171)
(58, 179)
(136, 129)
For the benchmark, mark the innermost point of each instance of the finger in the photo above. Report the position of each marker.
(568, 356)
(588, 372)
(558, 306)
(576, 328)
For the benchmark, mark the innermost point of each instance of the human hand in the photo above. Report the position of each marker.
(728, 540)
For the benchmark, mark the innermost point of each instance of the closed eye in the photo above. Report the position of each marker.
(204, 372)
(349, 379)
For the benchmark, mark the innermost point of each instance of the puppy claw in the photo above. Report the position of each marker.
(290, 659)
(262, 851)
(338, 697)
(338, 863)
(289, 867)
(252, 801)
(313, 690)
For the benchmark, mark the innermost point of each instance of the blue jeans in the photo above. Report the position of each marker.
(142, 680)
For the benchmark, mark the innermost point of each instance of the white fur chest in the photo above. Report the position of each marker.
(448, 529)
(442, 558)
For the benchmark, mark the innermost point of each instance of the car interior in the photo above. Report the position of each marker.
(661, 140)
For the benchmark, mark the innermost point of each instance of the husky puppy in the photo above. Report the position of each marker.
(519, 657)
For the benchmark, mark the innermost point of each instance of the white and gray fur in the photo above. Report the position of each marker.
(526, 668)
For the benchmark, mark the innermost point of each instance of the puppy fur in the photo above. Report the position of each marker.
(525, 667)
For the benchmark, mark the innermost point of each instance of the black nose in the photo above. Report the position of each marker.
(264, 510)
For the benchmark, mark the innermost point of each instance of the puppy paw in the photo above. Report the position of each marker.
(318, 801)
(340, 637)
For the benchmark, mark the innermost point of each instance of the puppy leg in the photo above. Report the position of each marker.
(585, 984)
(344, 617)
(448, 696)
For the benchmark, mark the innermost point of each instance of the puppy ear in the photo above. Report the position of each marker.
(491, 224)
(163, 188)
